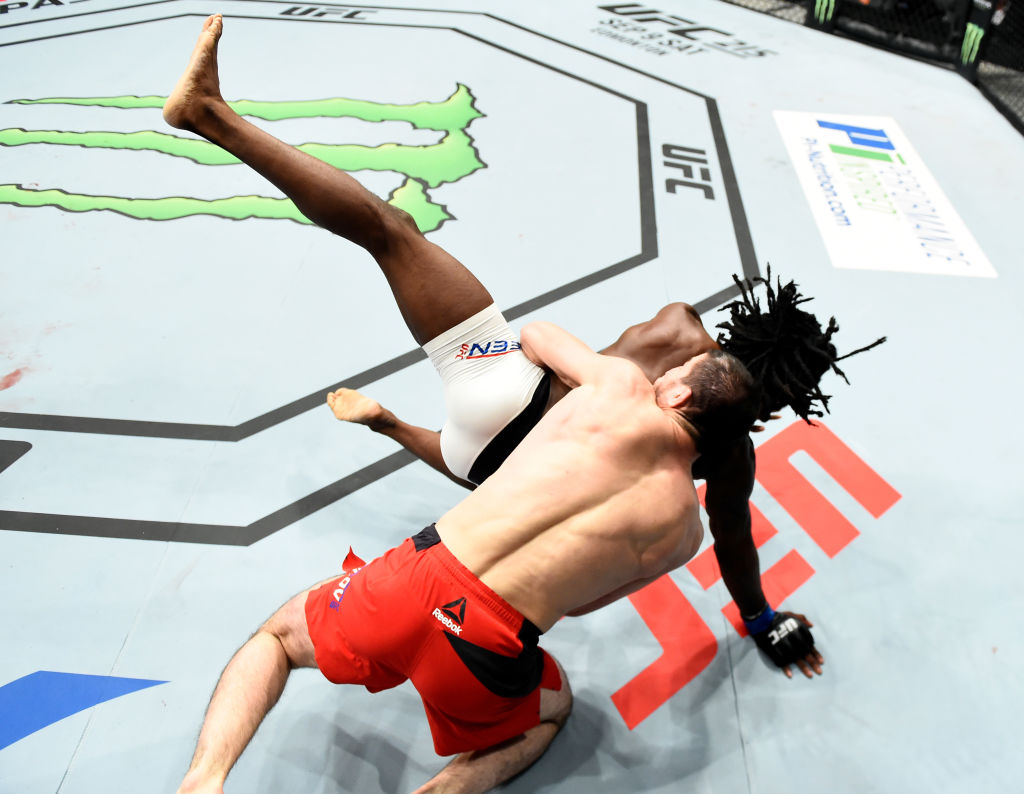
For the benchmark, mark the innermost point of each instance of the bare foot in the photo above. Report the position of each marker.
(200, 84)
(351, 406)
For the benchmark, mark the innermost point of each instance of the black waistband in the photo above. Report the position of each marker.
(426, 538)
(501, 446)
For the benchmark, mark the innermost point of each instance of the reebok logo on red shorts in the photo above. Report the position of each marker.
(452, 614)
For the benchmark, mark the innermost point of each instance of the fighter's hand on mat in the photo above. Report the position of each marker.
(788, 641)
(351, 406)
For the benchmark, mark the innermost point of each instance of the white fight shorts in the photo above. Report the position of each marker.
(490, 386)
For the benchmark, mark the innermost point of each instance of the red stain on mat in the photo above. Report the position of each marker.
(11, 378)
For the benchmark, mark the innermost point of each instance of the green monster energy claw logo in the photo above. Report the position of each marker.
(972, 43)
(424, 167)
(823, 10)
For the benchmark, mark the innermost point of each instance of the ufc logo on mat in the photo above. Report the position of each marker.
(688, 644)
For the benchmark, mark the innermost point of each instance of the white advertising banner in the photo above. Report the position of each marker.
(874, 200)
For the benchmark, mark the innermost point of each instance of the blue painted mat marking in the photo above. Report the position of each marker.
(43, 698)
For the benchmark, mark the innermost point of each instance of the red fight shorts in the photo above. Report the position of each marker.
(417, 613)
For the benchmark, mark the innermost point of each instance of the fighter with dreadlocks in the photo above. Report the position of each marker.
(786, 350)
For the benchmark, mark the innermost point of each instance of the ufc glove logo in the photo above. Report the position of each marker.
(784, 628)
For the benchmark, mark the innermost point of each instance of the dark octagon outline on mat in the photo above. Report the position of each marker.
(223, 534)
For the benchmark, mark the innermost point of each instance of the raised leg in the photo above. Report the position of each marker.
(434, 291)
(248, 688)
(482, 770)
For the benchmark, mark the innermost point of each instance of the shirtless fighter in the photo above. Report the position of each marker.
(493, 402)
(574, 519)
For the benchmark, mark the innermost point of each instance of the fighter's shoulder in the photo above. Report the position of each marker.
(726, 460)
(621, 374)
(677, 309)
(676, 314)
(673, 322)
(728, 472)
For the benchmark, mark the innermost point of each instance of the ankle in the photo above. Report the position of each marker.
(208, 115)
(383, 422)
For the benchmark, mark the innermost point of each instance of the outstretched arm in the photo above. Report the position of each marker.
(351, 406)
(730, 481)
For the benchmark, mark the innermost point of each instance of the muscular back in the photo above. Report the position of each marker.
(596, 501)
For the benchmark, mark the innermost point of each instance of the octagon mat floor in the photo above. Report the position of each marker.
(169, 473)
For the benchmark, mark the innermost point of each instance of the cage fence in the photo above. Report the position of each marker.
(982, 39)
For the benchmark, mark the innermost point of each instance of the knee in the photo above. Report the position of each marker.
(562, 707)
(556, 704)
(399, 220)
(393, 228)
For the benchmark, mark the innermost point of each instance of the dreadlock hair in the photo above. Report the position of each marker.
(784, 347)
(724, 400)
